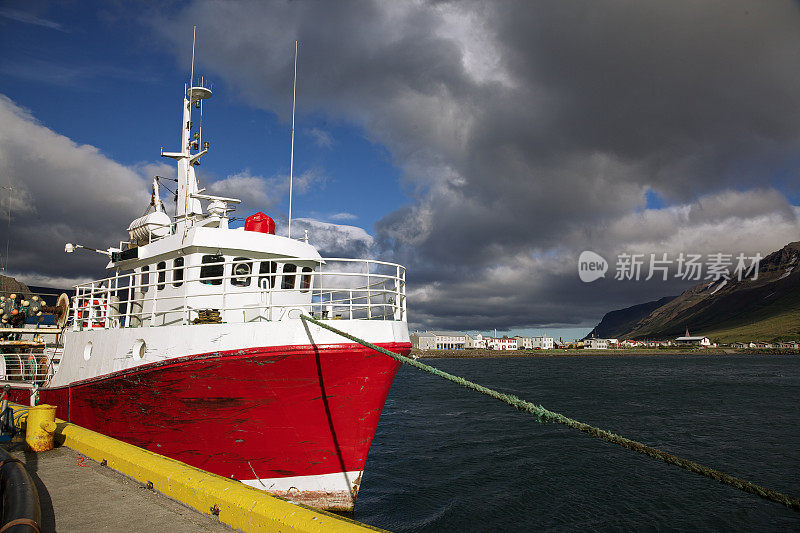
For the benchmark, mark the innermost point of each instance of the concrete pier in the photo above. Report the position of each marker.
(91, 482)
(78, 494)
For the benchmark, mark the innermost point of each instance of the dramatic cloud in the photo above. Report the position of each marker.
(260, 193)
(94, 199)
(60, 192)
(335, 240)
(530, 131)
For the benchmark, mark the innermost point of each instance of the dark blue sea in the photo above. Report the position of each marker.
(448, 459)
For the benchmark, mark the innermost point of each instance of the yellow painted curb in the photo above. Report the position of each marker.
(240, 506)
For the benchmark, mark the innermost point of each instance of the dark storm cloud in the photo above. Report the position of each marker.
(530, 131)
(669, 83)
(60, 191)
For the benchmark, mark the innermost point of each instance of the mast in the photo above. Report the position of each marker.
(188, 206)
(291, 157)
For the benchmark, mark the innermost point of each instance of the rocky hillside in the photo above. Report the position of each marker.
(616, 324)
(9, 285)
(767, 308)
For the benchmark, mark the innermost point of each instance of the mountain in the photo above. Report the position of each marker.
(9, 285)
(617, 323)
(764, 309)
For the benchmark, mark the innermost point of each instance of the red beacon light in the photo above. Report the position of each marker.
(260, 222)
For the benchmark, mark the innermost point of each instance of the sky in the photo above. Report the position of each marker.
(483, 145)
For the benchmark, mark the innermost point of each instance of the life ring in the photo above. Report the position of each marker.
(93, 313)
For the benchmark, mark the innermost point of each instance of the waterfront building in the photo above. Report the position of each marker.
(504, 343)
(423, 341)
(524, 343)
(542, 343)
(450, 340)
(792, 345)
(687, 340)
(438, 340)
(595, 344)
(476, 343)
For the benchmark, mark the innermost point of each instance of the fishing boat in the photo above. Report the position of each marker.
(195, 346)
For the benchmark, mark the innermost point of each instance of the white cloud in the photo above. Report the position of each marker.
(258, 192)
(63, 192)
(481, 52)
(336, 240)
(29, 18)
(321, 137)
(252, 190)
(343, 216)
(733, 221)
(42, 280)
(82, 76)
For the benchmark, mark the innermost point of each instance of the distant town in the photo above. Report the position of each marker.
(453, 340)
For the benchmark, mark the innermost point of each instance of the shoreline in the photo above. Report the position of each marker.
(494, 354)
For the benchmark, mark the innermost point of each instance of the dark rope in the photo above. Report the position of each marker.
(544, 415)
(21, 522)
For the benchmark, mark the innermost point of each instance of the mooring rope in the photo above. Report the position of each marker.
(544, 415)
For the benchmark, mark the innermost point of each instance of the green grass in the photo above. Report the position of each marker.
(780, 327)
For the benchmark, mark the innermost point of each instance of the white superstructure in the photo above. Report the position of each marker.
(193, 268)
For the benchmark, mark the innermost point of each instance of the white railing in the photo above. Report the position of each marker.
(36, 366)
(333, 289)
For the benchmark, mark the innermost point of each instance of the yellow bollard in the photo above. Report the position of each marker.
(40, 427)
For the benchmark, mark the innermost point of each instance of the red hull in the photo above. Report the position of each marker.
(273, 412)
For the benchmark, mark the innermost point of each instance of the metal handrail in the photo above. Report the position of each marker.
(35, 366)
(359, 290)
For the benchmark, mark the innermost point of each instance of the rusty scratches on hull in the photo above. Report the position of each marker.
(339, 501)
(311, 412)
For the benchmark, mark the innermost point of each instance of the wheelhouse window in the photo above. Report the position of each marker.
(242, 268)
(161, 267)
(144, 280)
(177, 273)
(305, 280)
(266, 272)
(289, 271)
(212, 270)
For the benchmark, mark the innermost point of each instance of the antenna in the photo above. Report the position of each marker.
(291, 157)
(200, 142)
(191, 71)
(186, 148)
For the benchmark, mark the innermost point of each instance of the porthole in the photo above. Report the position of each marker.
(139, 348)
(87, 351)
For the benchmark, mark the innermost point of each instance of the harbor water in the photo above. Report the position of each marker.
(448, 459)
